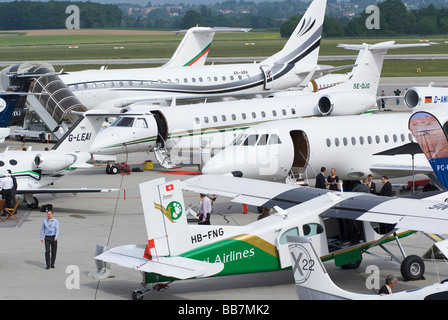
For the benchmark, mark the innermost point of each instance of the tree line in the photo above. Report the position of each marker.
(394, 18)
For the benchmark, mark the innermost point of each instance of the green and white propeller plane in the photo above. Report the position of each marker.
(341, 225)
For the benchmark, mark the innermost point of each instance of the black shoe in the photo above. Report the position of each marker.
(52, 266)
(47, 267)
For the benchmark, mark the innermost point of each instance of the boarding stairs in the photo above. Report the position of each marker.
(163, 157)
(295, 177)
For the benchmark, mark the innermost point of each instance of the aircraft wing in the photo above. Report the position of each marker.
(390, 169)
(130, 256)
(64, 190)
(406, 213)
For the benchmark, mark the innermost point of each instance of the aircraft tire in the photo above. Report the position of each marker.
(412, 268)
(113, 170)
(137, 295)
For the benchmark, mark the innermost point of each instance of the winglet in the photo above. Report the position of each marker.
(432, 140)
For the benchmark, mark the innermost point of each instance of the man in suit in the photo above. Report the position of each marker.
(386, 190)
(320, 179)
(372, 185)
(390, 282)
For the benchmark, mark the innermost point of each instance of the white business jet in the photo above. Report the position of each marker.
(181, 130)
(34, 170)
(296, 62)
(312, 281)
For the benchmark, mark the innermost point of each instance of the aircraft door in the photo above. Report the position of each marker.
(162, 128)
(268, 78)
(301, 150)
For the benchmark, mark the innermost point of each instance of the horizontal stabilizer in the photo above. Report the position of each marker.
(130, 256)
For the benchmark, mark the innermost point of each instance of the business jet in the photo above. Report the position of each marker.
(35, 170)
(301, 147)
(8, 102)
(312, 281)
(296, 62)
(179, 132)
(341, 226)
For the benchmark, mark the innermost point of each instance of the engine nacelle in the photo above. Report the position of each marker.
(425, 96)
(345, 103)
(52, 161)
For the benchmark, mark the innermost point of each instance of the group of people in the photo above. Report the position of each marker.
(367, 185)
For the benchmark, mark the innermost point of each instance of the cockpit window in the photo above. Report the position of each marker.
(251, 140)
(263, 140)
(123, 122)
(239, 139)
(274, 139)
(141, 123)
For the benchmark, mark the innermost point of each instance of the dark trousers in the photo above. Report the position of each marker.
(51, 247)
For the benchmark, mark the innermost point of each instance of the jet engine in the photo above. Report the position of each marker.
(419, 96)
(344, 103)
(52, 161)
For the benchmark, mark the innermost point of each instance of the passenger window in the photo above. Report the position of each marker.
(410, 137)
(336, 142)
(386, 138)
(369, 139)
(345, 141)
(274, 113)
(206, 119)
(402, 137)
(254, 115)
(185, 80)
(312, 229)
(223, 117)
(353, 141)
(196, 120)
(361, 140)
(293, 111)
(233, 117)
(377, 139)
(328, 142)
(215, 119)
(291, 232)
(284, 112)
(243, 115)
(263, 114)
(395, 138)
(223, 78)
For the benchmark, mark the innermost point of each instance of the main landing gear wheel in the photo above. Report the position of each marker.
(412, 268)
(137, 294)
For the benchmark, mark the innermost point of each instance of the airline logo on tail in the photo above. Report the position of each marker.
(172, 212)
(306, 26)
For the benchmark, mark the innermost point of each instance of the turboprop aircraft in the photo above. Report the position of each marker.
(289, 67)
(312, 281)
(341, 225)
(34, 170)
(182, 129)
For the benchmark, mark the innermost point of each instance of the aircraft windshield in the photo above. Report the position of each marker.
(123, 122)
(255, 139)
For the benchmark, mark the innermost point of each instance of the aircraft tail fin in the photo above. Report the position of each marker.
(165, 218)
(194, 47)
(8, 102)
(310, 275)
(365, 76)
(79, 138)
(304, 43)
(432, 139)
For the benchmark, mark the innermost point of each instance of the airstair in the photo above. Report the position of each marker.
(163, 157)
(295, 177)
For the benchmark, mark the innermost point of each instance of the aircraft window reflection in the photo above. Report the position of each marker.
(239, 139)
(141, 123)
(311, 229)
(263, 140)
(274, 139)
(123, 122)
(251, 140)
(291, 232)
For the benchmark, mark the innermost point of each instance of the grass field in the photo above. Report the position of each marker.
(42, 45)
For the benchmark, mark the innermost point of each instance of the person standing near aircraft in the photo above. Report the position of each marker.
(333, 180)
(320, 179)
(205, 207)
(390, 282)
(386, 189)
(50, 233)
(397, 93)
(372, 184)
(362, 187)
(7, 185)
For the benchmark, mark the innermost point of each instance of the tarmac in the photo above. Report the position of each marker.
(116, 218)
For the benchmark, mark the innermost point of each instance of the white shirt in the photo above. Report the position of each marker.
(7, 183)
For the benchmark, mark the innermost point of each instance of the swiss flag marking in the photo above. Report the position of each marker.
(169, 187)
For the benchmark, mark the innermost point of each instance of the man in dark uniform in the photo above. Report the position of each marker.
(386, 190)
(320, 179)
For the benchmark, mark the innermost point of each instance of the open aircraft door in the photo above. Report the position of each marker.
(268, 77)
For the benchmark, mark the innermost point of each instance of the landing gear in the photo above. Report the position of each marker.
(139, 294)
(412, 268)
